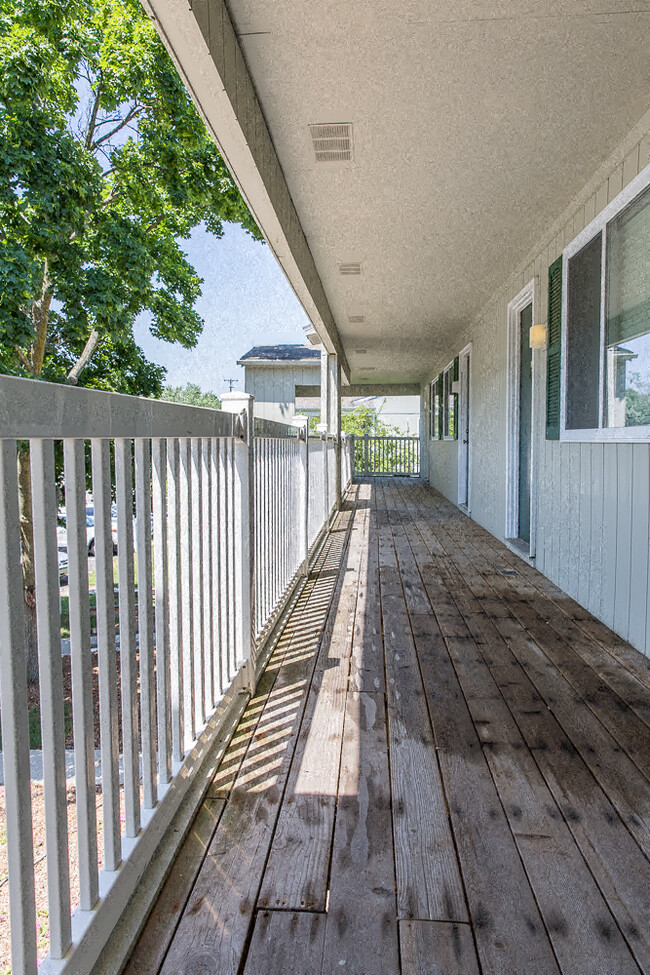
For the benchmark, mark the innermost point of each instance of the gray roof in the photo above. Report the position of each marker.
(282, 353)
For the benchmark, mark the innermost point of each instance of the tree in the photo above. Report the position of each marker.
(362, 421)
(105, 167)
(637, 401)
(191, 395)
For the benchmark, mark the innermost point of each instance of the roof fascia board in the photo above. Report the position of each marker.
(202, 43)
(366, 389)
(314, 363)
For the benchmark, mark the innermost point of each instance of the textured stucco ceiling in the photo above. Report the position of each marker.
(475, 124)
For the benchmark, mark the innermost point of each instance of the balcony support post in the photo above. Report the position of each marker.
(302, 491)
(244, 581)
(334, 423)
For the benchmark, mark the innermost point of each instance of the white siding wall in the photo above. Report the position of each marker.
(274, 388)
(593, 500)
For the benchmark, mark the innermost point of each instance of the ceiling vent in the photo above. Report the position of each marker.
(361, 351)
(332, 142)
(356, 319)
(354, 268)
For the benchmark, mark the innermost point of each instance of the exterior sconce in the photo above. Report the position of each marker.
(537, 337)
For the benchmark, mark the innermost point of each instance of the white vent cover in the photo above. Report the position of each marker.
(354, 268)
(356, 319)
(332, 142)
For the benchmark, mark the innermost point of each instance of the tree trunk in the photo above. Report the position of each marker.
(27, 546)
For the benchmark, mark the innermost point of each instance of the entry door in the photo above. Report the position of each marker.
(525, 420)
(463, 428)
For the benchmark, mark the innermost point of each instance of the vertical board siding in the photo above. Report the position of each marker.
(640, 548)
(623, 569)
(592, 500)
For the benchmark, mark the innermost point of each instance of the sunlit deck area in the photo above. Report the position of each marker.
(444, 769)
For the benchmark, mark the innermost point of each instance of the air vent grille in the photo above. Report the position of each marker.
(356, 319)
(353, 268)
(361, 351)
(332, 142)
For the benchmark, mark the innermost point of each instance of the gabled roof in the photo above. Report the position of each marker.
(281, 353)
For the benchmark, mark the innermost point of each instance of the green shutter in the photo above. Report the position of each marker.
(554, 351)
(456, 375)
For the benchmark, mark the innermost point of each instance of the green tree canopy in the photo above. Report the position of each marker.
(191, 395)
(362, 421)
(105, 167)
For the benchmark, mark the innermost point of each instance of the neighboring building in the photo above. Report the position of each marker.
(272, 373)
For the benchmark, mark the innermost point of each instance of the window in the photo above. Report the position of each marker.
(605, 352)
(450, 401)
(435, 415)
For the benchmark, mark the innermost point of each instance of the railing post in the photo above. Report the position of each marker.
(302, 476)
(334, 423)
(244, 521)
(365, 454)
(322, 429)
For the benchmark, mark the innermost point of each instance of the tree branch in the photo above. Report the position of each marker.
(25, 361)
(40, 316)
(93, 341)
(92, 122)
(135, 111)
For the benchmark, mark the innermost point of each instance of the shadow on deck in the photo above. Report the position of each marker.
(445, 769)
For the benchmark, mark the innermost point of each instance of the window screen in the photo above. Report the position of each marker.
(583, 337)
(627, 320)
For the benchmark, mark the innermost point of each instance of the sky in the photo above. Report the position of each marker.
(246, 301)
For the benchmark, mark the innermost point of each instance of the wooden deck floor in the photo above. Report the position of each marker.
(445, 770)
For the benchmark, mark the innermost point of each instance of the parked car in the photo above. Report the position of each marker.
(62, 533)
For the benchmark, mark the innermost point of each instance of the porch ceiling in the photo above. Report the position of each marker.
(475, 123)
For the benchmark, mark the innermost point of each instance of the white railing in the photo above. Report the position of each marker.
(216, 519)
(382, 456)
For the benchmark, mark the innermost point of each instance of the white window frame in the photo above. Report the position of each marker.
(432, 396)
(445, 400)
(525, 297)
(640, 434)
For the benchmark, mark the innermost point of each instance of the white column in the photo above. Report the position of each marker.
(324, 388)
(322, 429)
(244, 522)
(334, 422)
(302, 475)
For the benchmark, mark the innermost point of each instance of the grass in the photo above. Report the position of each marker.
(34, 719)
(92, 583)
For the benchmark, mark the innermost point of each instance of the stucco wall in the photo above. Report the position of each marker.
(591, 500)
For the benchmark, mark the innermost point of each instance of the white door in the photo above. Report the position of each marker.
(463, 427)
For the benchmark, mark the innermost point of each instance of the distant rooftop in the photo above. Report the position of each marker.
(281, 353)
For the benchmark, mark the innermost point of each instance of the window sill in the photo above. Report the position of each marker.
(520, 548)
(607, 435)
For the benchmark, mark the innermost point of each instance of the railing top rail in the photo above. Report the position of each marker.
(30, 408)
(273, 429)
(372, 436)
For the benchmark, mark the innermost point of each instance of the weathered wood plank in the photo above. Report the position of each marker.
(437, 948)
(297, 870)
(509, 931)
(428, 879)
(623, 874)
(159, 930)
(361, 932)
(286, 943)
(218, 915)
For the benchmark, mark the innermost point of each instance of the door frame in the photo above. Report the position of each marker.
(465, 410)
(513, 419)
